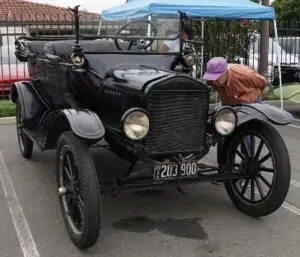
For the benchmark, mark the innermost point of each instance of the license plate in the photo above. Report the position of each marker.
(170, 171)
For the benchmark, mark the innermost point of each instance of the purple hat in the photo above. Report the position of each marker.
(215, 68)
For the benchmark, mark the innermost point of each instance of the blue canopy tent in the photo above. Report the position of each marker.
(229, 9)
(225, 9)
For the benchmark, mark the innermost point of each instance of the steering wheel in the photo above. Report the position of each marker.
(132, 42)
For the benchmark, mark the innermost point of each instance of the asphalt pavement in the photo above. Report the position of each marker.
(202, 223)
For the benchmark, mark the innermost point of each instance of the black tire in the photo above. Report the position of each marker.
(85, 190)
(25, 143)
(278, 152)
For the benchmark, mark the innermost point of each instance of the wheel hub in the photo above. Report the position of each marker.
(252, 168)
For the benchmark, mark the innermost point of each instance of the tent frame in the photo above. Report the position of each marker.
(278, 63)
(277, 58)
(181, 17)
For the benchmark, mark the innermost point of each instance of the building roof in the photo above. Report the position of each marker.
(25, 11)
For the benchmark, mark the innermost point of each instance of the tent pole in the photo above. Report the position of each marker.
(202, 48)
(180, 28)
(99, 28)
(149, 30)
(278, 63)
(149, 26)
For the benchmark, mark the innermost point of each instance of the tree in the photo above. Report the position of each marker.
(287, 10)
(225, 38)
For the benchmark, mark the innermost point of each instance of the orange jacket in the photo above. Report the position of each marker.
(243, 85)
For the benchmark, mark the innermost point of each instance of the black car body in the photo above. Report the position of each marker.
(84, 91)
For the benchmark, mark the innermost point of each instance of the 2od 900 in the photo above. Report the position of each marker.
(169, 171)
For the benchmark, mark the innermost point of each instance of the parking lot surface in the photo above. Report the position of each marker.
(202, 223)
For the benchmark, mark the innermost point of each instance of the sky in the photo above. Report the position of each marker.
(90, 5)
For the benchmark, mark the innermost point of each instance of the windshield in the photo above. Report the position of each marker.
(163, 30)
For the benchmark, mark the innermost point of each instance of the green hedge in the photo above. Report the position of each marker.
(7, 108)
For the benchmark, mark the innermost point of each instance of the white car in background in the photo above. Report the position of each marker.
(291, 45)
(288, 58)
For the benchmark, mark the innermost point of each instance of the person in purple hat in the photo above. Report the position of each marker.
(236, 84)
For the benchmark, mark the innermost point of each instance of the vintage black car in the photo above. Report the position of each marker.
(86, 90)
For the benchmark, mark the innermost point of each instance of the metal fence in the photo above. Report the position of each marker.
(218, 40)
(13, 26)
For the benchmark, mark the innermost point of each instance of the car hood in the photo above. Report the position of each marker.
(135, 78)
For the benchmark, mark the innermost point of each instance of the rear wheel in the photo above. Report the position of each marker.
(25, 143)
(78, 188)
(262, 156)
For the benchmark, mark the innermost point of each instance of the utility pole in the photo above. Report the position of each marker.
(264, 44)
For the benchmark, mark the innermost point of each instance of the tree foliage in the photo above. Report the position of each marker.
(225, 38)
(228, 38)
(287, 10)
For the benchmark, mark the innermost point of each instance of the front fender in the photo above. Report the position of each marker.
(32, 106)
(84, 123)
(266, 112)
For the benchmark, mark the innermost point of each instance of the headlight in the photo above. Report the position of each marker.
(189, 60)
(225, 120)
(77, 59)
(135, 124)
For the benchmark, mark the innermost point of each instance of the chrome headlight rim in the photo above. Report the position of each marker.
(219, 112)
(127, 114)
(189, 56)
(78, 60)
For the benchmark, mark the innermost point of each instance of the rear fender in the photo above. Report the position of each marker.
(265, 112)
(84, 123)
(32, 106)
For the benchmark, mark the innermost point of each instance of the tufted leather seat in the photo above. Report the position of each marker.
(64, 48)
(101, 63)
(37, 47)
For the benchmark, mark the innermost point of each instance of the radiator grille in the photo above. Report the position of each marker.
(178, 121)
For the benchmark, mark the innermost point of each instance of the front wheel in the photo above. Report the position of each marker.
(258, 151)
(78, 189)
